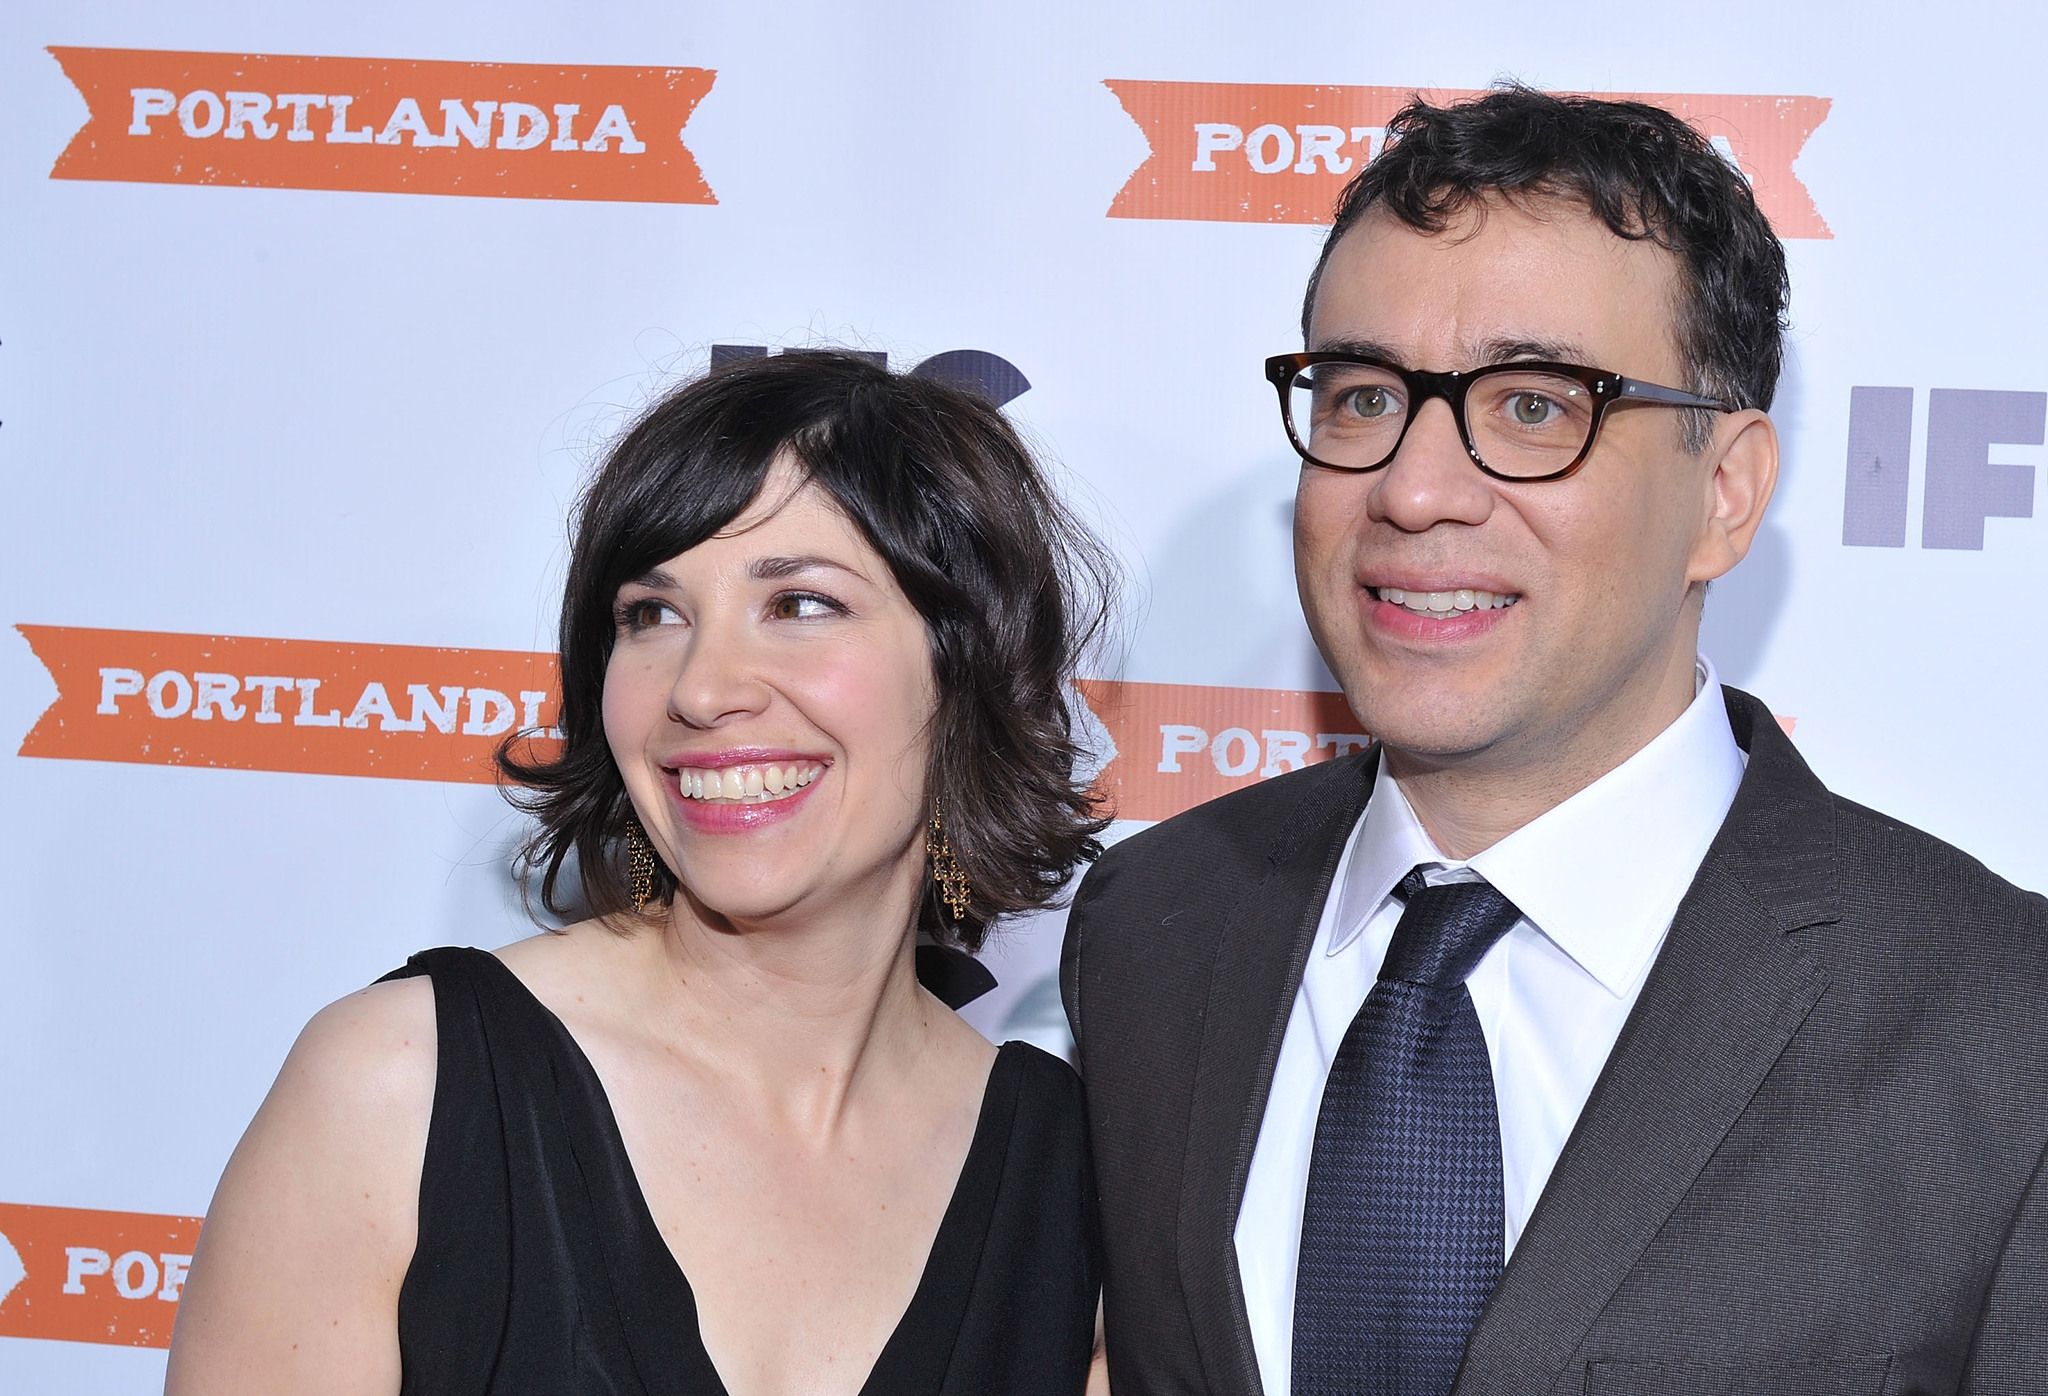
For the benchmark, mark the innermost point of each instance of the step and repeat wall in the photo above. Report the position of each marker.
(314, 318)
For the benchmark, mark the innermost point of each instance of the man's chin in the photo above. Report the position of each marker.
(1437, 730)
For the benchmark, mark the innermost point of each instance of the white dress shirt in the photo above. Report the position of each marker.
(1597, 879)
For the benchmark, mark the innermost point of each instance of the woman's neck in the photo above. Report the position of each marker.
(799, 1014)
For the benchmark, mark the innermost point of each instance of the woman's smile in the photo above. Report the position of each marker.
(737, 792)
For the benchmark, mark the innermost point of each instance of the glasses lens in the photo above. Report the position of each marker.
(1527, 424)
(1347, 414)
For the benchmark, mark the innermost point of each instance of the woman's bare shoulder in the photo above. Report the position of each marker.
(386, 1029)
(295, 1282)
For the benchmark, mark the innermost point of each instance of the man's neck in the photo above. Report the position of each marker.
(1468, 803)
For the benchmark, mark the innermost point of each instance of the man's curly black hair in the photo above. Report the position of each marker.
(1640, 170)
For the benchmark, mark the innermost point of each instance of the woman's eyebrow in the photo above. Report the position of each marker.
(654, 579)
(775, 569)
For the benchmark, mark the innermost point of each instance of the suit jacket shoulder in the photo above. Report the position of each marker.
(1967, 910)
(1154, 899)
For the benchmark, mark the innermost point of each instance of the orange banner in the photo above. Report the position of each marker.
(1178, 745)
(506, 130)
(92, 1277)
(410, 713)
(1265, 153)
(398, 711)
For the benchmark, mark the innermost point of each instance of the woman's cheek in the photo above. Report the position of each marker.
(628, 698)
(871, 702)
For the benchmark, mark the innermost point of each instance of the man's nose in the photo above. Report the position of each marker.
(1431, 480)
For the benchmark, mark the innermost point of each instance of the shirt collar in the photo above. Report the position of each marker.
(1601, 874)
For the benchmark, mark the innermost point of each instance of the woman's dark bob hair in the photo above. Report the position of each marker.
(1012, 588)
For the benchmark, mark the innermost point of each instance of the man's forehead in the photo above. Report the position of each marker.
(1546, 280)
(1472, 350)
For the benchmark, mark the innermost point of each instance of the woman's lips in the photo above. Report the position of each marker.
(747, 780)
(738, 798)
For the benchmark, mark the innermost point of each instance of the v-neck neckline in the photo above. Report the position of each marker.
(653, 1297)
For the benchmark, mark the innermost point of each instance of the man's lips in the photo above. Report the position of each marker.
(1445, 600)
(1440, 592)
(1436, 609)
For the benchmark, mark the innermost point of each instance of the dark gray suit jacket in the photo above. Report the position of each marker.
(1813, 1163)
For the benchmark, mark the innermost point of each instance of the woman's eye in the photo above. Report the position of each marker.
(647, 613)
(801, 606)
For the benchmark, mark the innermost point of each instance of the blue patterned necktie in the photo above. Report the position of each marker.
(1403, 1230)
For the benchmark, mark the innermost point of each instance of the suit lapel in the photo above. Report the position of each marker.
(1727, 993)
(1257, 970)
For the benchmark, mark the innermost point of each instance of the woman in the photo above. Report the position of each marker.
(815, 643)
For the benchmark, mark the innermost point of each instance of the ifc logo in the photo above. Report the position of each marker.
(991, 375)
(1962, 487)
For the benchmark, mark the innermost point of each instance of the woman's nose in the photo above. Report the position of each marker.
(719, 678)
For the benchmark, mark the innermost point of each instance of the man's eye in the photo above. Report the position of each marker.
(1370, 402)
(1531, 409)
(801, 606)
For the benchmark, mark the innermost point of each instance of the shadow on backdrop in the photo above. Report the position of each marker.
(1222, 606)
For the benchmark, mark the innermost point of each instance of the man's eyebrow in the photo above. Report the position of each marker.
(1492, 351)
(1364, 348)
(775, 569)
(1500, 351)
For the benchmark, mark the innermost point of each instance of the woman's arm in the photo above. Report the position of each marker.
(295, 1279)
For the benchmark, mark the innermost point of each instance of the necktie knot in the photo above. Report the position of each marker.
(1445, 931)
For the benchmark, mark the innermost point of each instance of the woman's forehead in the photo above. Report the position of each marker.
(790, 502)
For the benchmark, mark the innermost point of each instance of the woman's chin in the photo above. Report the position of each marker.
(757, 899)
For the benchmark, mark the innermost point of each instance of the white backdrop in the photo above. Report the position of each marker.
(327, 415)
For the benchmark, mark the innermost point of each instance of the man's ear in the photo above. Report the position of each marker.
(1739, 487)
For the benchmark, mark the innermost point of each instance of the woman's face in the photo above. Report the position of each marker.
(768, 702)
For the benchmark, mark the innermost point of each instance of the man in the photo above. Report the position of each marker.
(1575, 1038)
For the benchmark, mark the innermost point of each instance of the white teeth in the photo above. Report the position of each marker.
(751, 783)
(1439, 604)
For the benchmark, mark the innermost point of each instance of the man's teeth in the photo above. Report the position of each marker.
(752, 784)
(1442, 603)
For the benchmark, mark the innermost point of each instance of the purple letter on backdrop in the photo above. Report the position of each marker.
(1880, 453)
(1963, 487)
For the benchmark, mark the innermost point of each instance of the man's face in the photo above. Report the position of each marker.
(1601, 566)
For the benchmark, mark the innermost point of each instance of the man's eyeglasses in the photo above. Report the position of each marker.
(1519, 421)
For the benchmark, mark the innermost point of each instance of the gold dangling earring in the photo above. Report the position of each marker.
(946, 871)
(640, 864)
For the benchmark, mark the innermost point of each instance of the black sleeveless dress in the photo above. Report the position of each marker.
(539, 1268)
